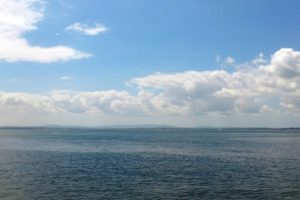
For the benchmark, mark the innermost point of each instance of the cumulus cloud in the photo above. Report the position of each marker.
(273, 84)
(106, 102)
(270, 88)
(87, 30)
(18, 17)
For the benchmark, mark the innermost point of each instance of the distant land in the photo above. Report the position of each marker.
(145, 126)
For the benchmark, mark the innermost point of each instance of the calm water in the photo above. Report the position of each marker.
(149, 164)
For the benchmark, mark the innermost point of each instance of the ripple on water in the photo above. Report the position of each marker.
(148, 164)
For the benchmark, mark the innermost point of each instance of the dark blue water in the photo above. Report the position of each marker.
(149, 164)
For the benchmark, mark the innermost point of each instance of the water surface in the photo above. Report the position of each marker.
(149, 164)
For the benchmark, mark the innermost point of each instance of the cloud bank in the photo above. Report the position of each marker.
(271, 88)
(18, 17)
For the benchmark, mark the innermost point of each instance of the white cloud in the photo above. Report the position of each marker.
(18, 17)
(244, 91)
(260, 59)
(270, 91)
(65, 78)
(229, 60)
(107, 102)
(86, 30)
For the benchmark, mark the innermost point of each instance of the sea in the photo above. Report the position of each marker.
(149, 163)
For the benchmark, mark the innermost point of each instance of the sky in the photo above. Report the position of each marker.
(190, 63)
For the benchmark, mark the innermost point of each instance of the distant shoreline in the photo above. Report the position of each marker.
(147, 127)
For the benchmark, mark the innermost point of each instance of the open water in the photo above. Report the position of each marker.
(61, 164)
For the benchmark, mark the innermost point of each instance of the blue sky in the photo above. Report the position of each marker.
(141, 40)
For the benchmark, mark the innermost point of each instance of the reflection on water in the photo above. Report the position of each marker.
(149, 164)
